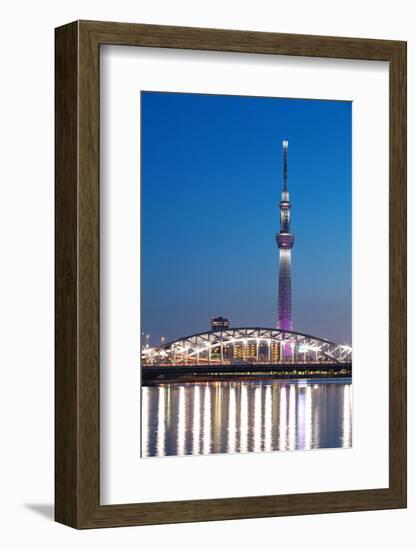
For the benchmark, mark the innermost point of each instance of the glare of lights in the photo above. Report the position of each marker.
(347, 417)
(244, 420)
(308, 419)
(268, 419)
(232, 421)
(145, 421)
(283, 418)
(207, 422)
(291, 423)
(257, 421)
(160, 438)
(196, 420)
(181, 422)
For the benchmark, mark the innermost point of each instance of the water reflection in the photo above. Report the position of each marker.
(347, 416)
(207, 422)
(243, 420)
(291, 423)
(196, 420)
(231, 448)
(282, 433)
(268, 419)
(257, 418)
(160, 444)
(145, 422)
(308, 424)
(230, 417)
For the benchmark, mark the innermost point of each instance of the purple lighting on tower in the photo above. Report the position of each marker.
(285, 241)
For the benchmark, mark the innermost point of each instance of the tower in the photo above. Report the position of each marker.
(285, 241)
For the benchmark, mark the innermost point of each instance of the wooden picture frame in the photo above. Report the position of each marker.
(77, 374)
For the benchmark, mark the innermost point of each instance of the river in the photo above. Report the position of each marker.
(245, 416)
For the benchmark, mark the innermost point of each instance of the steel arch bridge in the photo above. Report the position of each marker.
(246, 345)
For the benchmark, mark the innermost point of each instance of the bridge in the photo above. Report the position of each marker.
(240, 346)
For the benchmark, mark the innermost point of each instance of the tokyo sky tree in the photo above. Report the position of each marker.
(285, 241)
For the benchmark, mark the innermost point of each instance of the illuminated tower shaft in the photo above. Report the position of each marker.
(285, 241)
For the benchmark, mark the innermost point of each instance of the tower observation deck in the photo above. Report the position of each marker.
(285, 241)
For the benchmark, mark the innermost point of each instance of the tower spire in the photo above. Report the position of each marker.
(285, 147)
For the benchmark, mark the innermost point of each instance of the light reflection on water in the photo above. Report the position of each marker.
(247, 416)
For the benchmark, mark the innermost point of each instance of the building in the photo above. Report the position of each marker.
(219, 323)
(285, 241)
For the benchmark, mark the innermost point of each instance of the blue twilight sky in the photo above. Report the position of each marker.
(211, 182)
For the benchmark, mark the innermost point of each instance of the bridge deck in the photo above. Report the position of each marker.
(186, 373)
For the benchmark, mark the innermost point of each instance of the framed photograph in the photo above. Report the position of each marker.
(230, 274)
